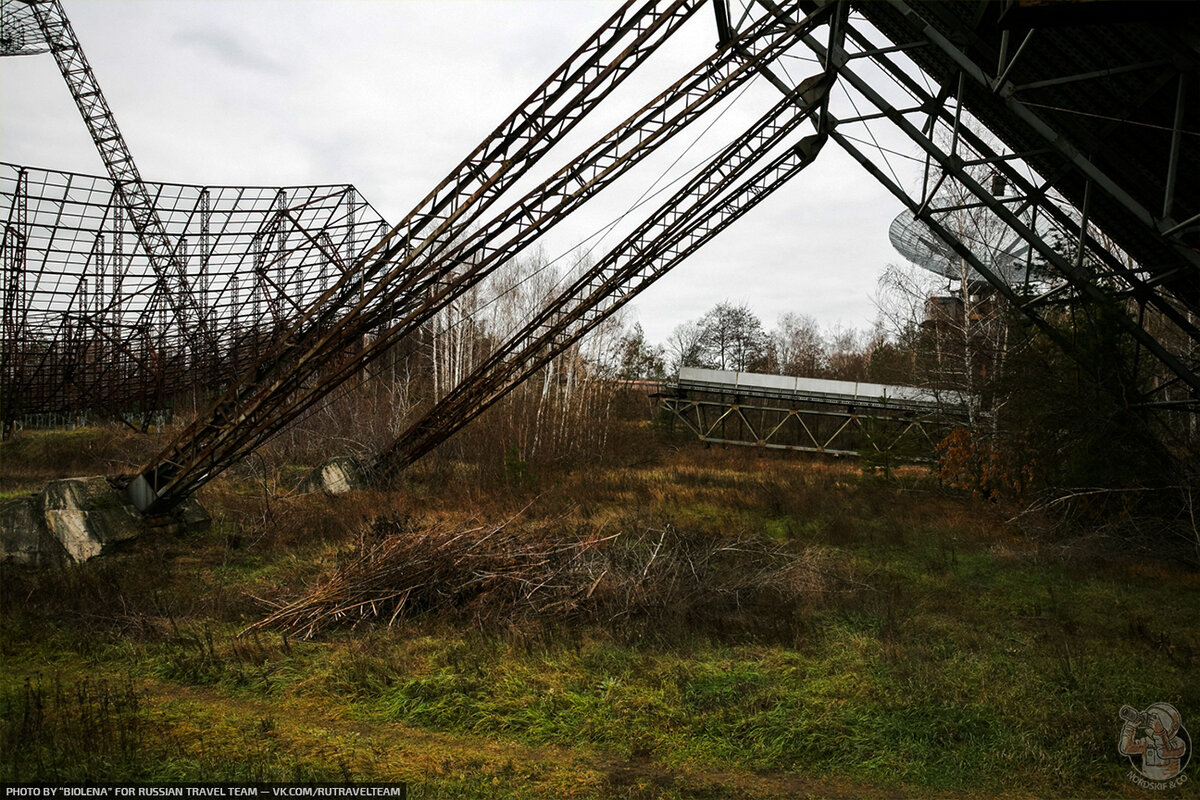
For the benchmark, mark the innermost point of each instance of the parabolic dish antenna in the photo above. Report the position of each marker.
(992, 242)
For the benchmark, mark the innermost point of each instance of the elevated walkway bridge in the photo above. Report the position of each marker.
(841, 418)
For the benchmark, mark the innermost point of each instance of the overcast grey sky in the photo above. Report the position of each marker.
(391, 95)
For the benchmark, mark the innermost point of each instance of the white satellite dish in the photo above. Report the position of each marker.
(1002, 252)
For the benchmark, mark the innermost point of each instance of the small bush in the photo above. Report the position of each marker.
(992, 470)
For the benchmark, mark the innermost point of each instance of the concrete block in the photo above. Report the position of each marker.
(88, 516)
(75, 519)
(336, 476)
(24, 537)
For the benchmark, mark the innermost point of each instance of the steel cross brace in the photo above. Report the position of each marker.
(953, 166)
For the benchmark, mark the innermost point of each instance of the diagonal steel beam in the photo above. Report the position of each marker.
(114, 152)
(588, 75)
(697, 212)
(236, 427)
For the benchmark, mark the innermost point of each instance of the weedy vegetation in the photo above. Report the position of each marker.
(674, 622)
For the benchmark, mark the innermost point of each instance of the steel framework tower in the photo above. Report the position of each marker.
(1067, 127)
(59, 36)
(1089, 110)
(100, 314)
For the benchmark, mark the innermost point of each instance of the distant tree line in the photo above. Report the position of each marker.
(731, 336)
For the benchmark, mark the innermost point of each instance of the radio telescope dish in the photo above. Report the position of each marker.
(1001, 250)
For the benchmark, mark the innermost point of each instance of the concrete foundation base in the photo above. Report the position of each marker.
(24, 536)
(75, 519)
(336, 476)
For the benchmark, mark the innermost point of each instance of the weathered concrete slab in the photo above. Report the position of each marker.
(24, 537)
(88, 516)
(336, 476)
(75, 519)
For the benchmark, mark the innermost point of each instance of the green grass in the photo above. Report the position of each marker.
(966, 661)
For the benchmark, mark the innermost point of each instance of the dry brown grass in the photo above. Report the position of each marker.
(517, 574)
(35, 457)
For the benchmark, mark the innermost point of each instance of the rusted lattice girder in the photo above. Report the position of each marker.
(360, 294)
(826, 428)
(425, 276)
(701, 209)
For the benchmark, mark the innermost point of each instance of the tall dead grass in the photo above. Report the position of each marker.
(35, 457)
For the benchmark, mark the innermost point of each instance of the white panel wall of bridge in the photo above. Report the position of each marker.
(819, 389)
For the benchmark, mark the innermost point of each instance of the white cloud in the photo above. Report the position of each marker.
(228, 48)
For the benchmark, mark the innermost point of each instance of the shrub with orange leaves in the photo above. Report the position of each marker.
(972, 462)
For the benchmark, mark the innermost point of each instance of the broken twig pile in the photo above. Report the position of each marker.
(506, 574)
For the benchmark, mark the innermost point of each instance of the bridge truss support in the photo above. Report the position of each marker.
(830, 428)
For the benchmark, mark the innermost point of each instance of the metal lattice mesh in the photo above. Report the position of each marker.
(87, 324)
(19, 33)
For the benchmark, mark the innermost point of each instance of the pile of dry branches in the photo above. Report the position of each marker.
(506, 574)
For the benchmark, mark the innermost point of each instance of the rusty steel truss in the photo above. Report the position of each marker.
(432, 257)
(838, 419)
(1067, 129)
(84, 335)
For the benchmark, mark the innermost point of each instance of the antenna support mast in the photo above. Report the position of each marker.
(102, 125)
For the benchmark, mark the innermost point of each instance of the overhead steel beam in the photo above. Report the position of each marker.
(952, 165)
(1141, 288)
(1007, 92)
(703, 207)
